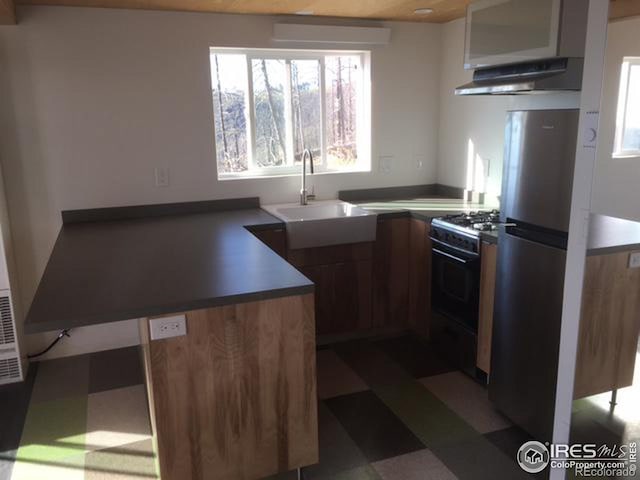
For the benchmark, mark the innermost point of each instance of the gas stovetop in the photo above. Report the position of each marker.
(471, 223)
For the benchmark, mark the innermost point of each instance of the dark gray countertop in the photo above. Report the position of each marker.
(424, 208)
(606, 235)
(611, 235)
(104, 271)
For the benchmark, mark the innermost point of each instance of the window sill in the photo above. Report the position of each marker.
(297, 173)
(629, 155)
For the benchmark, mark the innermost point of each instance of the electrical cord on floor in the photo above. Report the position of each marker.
(63, 333)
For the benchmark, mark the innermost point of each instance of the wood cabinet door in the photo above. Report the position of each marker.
(391, 273)
(343, 296)
(275, 239)
(487, 291)
(322, 277)
(351, 296)
(609, 325)
(420, 276)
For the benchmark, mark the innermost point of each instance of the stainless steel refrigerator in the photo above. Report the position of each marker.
(535, 205)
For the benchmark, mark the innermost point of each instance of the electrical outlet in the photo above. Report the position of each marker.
(419, 159)
(634, 260)
(385, 163)
(168, 327)
(162, 176)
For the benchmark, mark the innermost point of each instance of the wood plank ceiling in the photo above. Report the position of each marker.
(443, 10)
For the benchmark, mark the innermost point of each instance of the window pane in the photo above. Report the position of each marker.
(269, 80)
(305, 95)
(229, 80)
(341, 79)
(631, 134)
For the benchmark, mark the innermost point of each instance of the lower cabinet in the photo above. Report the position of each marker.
(420, 276)
(343, 276)
(609, 325)
(487, 290)
(343, 296)
(235, 392)
(274, 238)
(385, 284)
(391, 273)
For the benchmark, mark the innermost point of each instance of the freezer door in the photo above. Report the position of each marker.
(540, 148)
(526, 333)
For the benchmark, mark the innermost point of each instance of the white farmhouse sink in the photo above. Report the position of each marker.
(319, 224)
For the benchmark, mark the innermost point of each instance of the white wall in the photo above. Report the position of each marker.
(479, 120)
(94, 99)
(616, 179)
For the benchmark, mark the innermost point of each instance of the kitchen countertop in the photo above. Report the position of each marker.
(611, 235)
(425, 208)
(110, 270)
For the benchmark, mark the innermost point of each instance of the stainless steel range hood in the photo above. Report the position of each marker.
(540, 76)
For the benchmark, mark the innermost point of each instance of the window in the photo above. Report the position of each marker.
(627, 139)
(271, 105)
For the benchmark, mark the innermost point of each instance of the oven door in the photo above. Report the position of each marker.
(456, 284)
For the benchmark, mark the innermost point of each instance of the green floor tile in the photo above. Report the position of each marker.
(425, 415)
(134, 460)
(421, 411)
(365, 472)
(54, 430)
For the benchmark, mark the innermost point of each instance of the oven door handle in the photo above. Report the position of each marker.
(452, 257)
(473, 255)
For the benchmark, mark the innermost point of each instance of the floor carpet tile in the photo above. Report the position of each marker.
(115, 369)
(14, 404)
(415, 355)
(420, 465)
(117, 417)
(423, 413)
(54, 430)
(389, 410)
(468, 399)
(126, 462)
(478, 459)
(69, 468)
(338, 451)
(383, 438)
(366, 472)
(334, 377)
(508, 440)
(61, 378)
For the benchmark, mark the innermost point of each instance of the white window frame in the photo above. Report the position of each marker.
(363, 108)
(621, 115)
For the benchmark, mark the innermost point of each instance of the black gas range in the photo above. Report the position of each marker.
(455, 287)
(464, 230)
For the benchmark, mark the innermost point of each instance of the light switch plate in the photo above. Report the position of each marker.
(162, 176)
(168, 327)
(634, 260)
(385, 162)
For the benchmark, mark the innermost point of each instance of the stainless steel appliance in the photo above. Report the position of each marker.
(524, 46)
(455, 280)
(535, 204)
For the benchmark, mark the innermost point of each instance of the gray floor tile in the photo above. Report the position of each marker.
(478, 459)
(338, 451)
(115, 369)
(378, 433)
(468, 399)
(61, 378)
(335, 377)
(420, 465)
